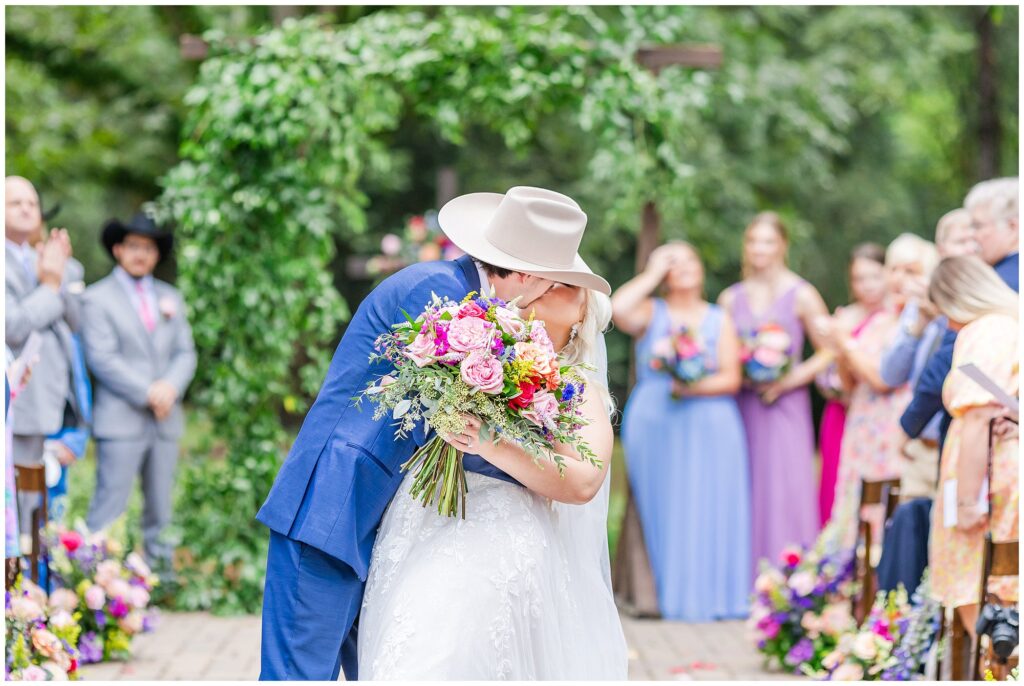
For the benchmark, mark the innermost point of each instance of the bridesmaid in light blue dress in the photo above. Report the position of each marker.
(687, 458)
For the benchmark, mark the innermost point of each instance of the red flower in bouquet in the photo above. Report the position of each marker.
(527, 390)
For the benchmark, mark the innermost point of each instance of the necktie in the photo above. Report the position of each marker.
(144, 312)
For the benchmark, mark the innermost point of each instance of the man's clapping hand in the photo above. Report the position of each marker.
(52, 256)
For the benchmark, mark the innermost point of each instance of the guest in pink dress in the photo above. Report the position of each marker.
(868, 288)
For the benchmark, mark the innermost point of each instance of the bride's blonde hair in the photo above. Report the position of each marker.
(582, 347)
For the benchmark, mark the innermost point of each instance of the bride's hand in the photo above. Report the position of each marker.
(468, 440)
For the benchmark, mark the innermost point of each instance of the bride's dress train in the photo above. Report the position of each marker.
(519, 590)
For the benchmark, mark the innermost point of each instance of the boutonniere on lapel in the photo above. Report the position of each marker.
(168, 308)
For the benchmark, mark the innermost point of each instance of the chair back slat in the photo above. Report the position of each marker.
(32, 479)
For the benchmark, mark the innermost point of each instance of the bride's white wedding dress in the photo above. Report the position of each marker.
(519, 590)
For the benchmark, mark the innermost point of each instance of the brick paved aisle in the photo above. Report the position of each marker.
(203, 647)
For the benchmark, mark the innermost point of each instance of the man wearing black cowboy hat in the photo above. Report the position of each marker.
(139, 347)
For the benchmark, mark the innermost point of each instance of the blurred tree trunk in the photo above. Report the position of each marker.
(278, 13)
(988, 112)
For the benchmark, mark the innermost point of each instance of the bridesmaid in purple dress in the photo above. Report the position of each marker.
(777, 415)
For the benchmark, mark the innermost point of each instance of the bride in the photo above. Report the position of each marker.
(521, 588)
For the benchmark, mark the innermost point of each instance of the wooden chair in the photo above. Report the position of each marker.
(12, 565)
(999, 559)
(957, 659)
(887, 494)
(32, 479)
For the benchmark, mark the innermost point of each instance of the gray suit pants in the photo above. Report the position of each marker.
(118, 461)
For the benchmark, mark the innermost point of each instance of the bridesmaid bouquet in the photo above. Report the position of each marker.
(681, 356)
(476, 357)
(765, 353)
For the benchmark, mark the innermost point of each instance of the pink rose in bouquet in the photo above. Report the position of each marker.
(471, 333)
(483, 372)
(543, 410)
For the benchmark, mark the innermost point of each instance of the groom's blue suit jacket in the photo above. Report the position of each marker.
(343, 469)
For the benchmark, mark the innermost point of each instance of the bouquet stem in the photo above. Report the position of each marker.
(439, 471)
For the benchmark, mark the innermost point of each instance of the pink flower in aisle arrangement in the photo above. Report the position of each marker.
(478, 357)
(95, 597)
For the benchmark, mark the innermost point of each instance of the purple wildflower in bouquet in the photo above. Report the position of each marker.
(478, 357)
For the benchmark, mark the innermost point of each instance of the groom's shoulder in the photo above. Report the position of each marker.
(441, 277)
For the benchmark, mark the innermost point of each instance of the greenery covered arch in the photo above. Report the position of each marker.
(283, 132)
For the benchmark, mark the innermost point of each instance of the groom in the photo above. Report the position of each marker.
(328, 499)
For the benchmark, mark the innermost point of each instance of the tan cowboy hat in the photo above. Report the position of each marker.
(529, 230)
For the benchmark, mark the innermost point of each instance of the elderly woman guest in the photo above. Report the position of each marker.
(777, 416)
(685, 448)
(920, 333)
(984, 310)
(872, 439)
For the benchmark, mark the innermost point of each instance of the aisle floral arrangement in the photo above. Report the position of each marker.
(112, 593)
(867, 654)
(765, 353)
(680, 355)
(41, 634)
(801, 608)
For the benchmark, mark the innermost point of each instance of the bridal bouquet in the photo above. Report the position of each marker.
(765, 353)
(679, 355)
(477, 357)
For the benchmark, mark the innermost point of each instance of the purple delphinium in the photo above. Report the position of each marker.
(149, 621)
(800, 653)
(91, 647)
(568, 393)
(101, 618)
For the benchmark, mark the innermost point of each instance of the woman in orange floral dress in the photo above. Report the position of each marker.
(984, 309)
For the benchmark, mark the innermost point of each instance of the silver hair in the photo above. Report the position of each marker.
(1000, 195)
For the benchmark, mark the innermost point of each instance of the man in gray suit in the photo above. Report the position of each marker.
(139, 347)
(43, 292)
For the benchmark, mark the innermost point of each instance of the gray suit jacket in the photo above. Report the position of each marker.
(125, 359)
(40, 407)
